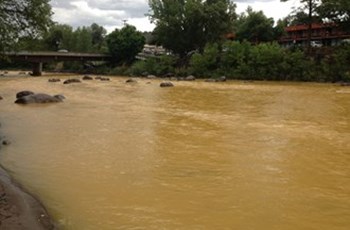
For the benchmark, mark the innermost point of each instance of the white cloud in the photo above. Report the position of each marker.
(111, 13)
(108, 13)
(271, 8)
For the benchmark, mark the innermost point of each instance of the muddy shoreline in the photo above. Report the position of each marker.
(19, 210)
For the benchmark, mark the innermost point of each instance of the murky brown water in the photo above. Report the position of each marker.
(247, 156)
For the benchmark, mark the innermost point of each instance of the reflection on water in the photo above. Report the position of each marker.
(196, 156)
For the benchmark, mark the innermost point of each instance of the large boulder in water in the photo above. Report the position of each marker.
(39, 98)
(72, 80)
(190, 78)
(86, 78)
(166, 84)
(24, 93)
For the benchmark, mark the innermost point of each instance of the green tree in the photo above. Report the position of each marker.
(19, 18)
(125, 44)
(234, 61)
(98, 34)
(310, 7)
(337, 11)
(83, 39)
(59, 36)
(255, 27)
(186, 25)
(300, 17)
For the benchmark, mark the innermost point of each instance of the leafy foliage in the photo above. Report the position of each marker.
(125, 43)
(186, 25)
(255, 27)
(204, 64)
(337, 11)
(156, 66)
(20, 18)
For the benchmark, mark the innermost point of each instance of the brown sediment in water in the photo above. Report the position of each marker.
(18, 209)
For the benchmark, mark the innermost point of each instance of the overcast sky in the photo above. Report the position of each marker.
(111, 13)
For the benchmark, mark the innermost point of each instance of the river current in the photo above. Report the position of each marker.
(233, 155)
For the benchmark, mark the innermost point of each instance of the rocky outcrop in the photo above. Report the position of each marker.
(166, 84)
(39, 98)
(24, 93)
(102, 78)
(344, 83)
(86, 77)
(131, 80)
(151, 77)
(73, 80)
(190, 78)
(54, 80)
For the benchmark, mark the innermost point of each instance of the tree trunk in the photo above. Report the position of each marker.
(309, 30)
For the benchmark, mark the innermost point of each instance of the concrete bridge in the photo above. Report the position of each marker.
(38, 58)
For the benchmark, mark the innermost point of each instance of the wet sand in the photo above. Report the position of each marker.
(18, 209)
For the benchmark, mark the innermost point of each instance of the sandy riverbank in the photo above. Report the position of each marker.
(18, 209)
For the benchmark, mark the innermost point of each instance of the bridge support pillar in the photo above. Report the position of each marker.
(37, 68)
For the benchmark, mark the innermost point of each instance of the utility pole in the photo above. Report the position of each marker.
(309, 31)
(124, 22)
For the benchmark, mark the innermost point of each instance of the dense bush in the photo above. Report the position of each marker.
(159, 66)
(265, 61)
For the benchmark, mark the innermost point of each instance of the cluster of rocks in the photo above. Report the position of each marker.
(77, 80)
(72, 80)
(3, 74)
(166, 84)
(29, 97)
(172, 77)
(162, 84)
(344, 83)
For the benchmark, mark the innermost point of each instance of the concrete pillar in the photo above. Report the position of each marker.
(37, 68)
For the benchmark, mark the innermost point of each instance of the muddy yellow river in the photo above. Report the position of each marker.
(235, 155)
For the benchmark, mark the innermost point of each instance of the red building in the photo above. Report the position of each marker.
(322, 34)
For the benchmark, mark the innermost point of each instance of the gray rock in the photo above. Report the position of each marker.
(166, 84)
(24, 93)
(345, 84)
(190, 78)
(86, 77)
(151, 77)
(6, 142)
(39, 98)
(73, 80)
(54, 80)
(131, 80)
(221, 79)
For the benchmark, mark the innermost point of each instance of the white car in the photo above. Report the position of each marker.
(316, 44)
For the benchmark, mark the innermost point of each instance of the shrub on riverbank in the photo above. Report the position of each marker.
(235, 60)
(265, 61)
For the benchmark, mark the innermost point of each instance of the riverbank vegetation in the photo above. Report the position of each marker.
(202, 38)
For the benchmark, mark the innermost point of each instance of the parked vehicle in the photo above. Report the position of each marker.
(316, 44)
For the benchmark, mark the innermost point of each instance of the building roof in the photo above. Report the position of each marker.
(313, 26)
